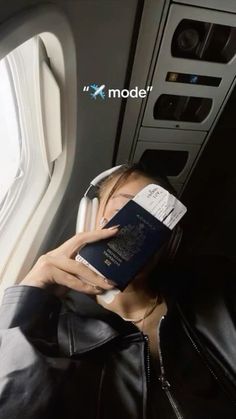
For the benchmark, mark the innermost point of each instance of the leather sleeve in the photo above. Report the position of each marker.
(32, 309)
(30, 368)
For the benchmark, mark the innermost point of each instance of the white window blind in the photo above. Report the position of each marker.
(28, 144)
(10, 136)
(38, 51)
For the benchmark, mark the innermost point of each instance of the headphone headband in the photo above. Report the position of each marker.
(95, 182)
(86, 217)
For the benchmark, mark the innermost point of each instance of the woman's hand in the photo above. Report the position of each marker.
(57, 271)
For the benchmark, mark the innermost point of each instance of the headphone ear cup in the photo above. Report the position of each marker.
(173, 244)
(83, 212)
(87, 213)
(94, 204)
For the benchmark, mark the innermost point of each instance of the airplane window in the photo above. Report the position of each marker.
(38, 133)
(10, 142)
(22, 155)
(25, 169)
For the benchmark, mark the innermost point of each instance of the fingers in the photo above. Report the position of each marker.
(78, 270)
(71, 246)
(65, 279)
(57, 267)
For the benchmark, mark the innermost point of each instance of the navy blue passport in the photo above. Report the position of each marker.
(121, 257)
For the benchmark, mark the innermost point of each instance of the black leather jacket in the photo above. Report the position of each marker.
(75, 359)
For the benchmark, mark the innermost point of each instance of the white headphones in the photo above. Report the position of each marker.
(88, 209)
(89, 204)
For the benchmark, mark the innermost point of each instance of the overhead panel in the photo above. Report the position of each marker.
(194, 68)
(194, 71)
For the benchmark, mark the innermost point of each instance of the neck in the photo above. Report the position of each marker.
(133, 301)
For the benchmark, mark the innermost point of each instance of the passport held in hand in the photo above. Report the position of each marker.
(146, 223)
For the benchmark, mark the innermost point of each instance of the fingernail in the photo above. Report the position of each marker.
(108, 281)
(114, 227)
(103, 221)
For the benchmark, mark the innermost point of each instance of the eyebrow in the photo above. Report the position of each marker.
(124, 195)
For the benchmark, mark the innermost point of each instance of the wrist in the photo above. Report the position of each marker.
(33, 283)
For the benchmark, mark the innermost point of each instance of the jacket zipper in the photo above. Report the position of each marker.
(147, 358)
(165, 385)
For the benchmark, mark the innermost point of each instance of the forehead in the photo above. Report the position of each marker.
(130, 187)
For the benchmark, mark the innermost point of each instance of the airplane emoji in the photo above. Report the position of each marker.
(97, 91)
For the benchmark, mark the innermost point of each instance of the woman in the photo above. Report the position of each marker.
(159, 349)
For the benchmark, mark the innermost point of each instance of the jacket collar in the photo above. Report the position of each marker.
(85, 325)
